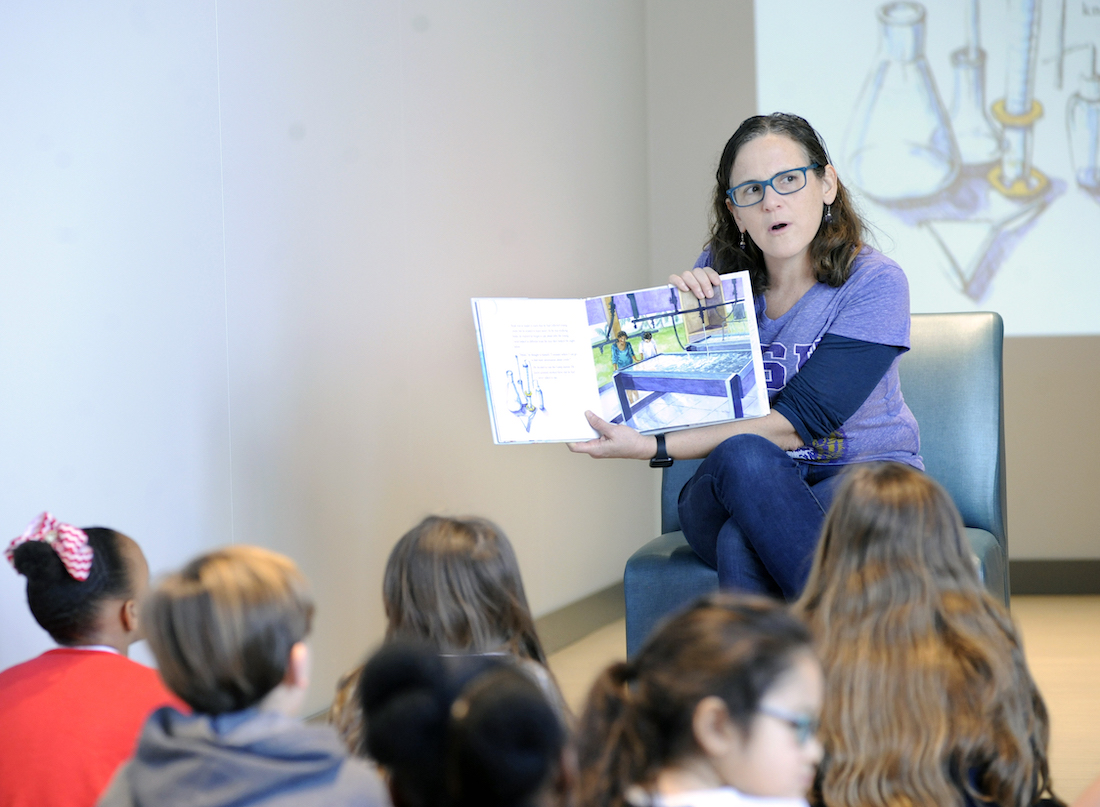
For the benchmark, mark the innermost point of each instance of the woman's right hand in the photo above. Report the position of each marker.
(615, 441)
(699, 281)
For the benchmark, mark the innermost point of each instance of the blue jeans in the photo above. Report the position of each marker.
(755, 515)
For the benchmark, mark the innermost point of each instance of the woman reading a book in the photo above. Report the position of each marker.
(833, 316)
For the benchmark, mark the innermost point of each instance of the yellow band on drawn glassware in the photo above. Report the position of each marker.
(1019, 189)
(1028, 118)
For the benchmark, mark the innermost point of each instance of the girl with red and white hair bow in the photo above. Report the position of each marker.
(85, 701)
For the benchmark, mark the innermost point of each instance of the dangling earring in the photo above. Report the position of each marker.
(742, 239)
(828, 214)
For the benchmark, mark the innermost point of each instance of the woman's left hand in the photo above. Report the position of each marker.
(615, 441)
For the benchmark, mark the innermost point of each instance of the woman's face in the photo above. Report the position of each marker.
(771, 760)
(781, 225)
(622, 342)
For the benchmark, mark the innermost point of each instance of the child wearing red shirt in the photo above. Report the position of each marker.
(69, 717)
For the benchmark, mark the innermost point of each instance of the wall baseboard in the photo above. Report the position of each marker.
(1054, 577)
(573, 622)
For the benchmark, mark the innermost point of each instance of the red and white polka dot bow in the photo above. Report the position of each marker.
(69, 542)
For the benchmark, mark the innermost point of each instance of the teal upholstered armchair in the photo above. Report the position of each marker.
(951, 379)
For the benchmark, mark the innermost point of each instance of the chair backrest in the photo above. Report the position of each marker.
(951, 380)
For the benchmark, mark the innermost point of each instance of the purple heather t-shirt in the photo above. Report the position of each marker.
(873, 306)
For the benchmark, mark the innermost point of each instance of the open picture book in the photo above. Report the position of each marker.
(655, 359)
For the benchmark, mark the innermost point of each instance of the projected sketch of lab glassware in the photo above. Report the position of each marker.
(900, 145)
(978, 139)
(1004, 201)
(1083, 131)
(994, 193)
(972, 246)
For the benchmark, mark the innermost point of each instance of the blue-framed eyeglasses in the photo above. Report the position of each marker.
(804, 726)
(751, 193)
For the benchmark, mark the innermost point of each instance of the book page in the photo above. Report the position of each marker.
(666, 361)
(536, 357)
(654, 359)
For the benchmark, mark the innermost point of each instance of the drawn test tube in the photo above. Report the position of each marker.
(1083, 127)
(1019, 109)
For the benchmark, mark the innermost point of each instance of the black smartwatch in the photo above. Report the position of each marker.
(661, 459)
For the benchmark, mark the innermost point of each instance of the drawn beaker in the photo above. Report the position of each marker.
(978, 140)
(1083, 127)
(900, 146)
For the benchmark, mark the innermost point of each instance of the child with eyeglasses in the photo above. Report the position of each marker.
(833, 317)
(718, 709)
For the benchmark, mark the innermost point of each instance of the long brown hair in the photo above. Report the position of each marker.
(638, 719)
(838, 241)
(455, 582)
(928, 695)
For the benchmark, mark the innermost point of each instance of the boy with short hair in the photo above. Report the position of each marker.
(228, 632)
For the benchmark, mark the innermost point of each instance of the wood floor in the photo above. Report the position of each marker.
(1062, 643)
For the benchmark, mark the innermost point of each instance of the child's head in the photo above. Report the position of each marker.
(506, 742)
(455, 583)
(647, 336)
(225, 627)
(728, 690)
(459, 731)
(892, 534)
(901, 618)
(80, 582)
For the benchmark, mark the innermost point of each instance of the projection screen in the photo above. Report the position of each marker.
(969, 133)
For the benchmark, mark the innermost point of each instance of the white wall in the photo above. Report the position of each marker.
(385, 163)
(112, 314)
(314, 387)
(700, 83)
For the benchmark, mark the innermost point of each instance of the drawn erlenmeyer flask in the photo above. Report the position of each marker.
(1083, 126)
(900, 146)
